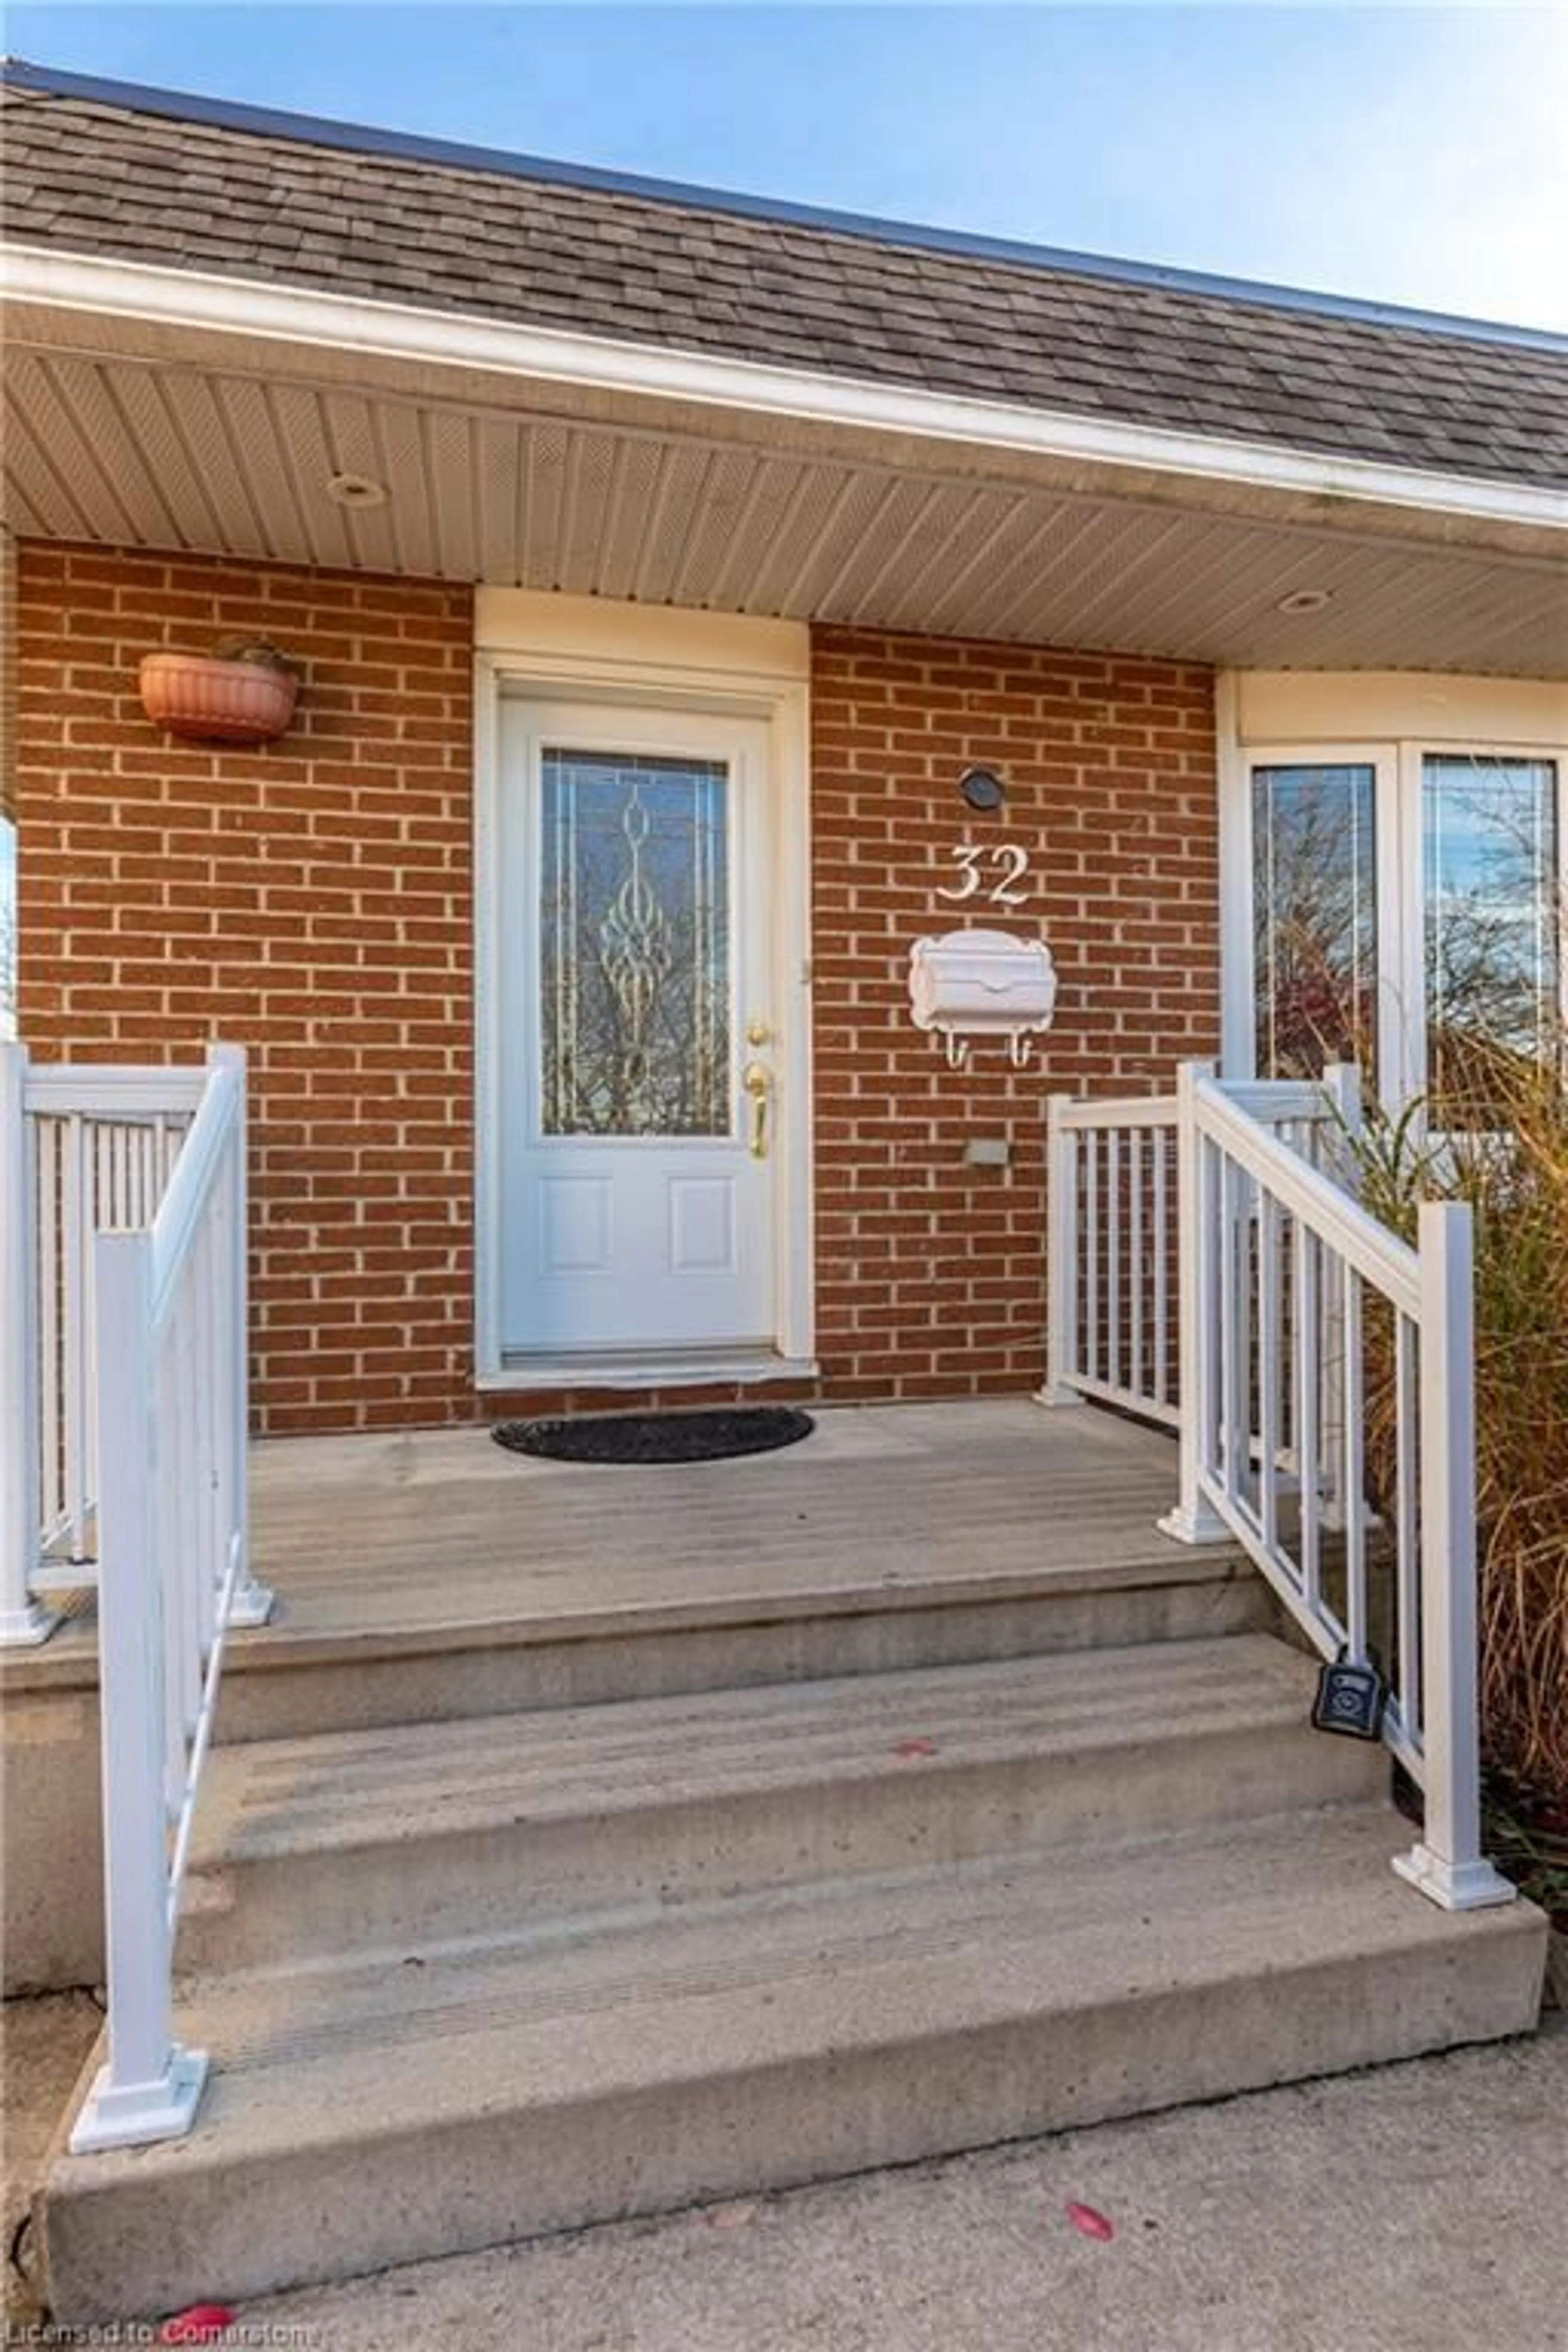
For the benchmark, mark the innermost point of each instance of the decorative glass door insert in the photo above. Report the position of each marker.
(635, 970)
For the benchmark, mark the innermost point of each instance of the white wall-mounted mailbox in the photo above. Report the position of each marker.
(975, 986)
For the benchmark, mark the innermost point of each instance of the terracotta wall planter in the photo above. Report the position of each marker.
(206, 700)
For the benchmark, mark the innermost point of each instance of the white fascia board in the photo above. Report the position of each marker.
(85, 283)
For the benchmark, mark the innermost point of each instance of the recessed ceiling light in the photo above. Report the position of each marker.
(1305, 600)
(355, 491)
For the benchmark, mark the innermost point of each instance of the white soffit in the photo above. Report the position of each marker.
(170, 455)
(117, 304)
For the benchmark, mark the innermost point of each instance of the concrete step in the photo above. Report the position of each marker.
(366, 2117)
(383, 1841)
(877, 1605)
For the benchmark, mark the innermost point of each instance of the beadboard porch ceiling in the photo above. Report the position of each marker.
(127, 433)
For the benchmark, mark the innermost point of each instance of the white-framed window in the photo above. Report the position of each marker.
(1387, 901)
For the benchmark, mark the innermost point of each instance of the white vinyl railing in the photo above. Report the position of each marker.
(1313, 1335)
(148, 1290)
(1113, 1272)
(1320, 1361)
(83, 1150)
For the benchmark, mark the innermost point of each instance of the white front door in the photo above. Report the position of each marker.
(636, 1074)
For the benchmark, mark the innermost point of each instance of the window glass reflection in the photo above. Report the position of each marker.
(1489, 878)
(1314, 917)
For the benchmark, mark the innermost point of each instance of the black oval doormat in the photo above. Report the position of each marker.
(709, 1437)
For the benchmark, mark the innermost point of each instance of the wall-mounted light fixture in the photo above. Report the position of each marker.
(982, 789)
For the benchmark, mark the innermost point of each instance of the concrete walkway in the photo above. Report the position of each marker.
(44, 2046)
(1420, 2207)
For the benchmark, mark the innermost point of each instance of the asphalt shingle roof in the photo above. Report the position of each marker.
(137, 182)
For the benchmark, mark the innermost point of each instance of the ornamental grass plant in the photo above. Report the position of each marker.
(1495, 1134)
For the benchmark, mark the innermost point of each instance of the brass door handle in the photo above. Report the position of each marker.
(757, 1084)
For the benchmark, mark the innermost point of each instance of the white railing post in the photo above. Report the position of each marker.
(149, 2088)
(1062, 1149)
(23, 1619)
(1448, 1863)
(1341, 1085)
(1193, 1519)
(250, 1603)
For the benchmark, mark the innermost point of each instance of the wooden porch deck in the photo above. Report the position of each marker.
(402, 1547)
(408, 1535)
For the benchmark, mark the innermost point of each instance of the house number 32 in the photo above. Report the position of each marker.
(1009, 862)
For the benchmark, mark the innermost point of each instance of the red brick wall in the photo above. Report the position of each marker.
(930, 1273)
(310, 901)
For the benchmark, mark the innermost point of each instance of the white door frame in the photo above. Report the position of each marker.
(566, 648)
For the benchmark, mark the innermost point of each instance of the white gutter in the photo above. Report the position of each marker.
(180, 297)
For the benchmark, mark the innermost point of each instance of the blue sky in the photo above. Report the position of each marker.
(1405, 153)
